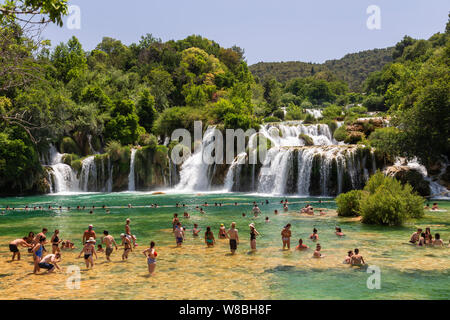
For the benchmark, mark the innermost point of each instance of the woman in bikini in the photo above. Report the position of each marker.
(151, 254)
(209, 237)
(253, 234)
(55, 241)
(89, 252)
(314, 236)
(286, 236)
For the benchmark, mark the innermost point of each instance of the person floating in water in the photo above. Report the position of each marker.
(317, 253)
(233, 235)
(314, 236)
(14, 247)
(286, 236)
(357, 259)
(339, 232)
(348, 258)
(89, 252)
(151, 255)
(301, 246)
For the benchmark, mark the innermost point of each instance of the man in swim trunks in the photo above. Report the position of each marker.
(13, 247)
(179, 234)
(89, 233)
(357, 259)
(256, 210)
(416, 236)
(109, 241)
(234, 237)
(50, 261)
(89, 252)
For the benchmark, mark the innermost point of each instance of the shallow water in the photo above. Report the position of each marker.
(197, 272)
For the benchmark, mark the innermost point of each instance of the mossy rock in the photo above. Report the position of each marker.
(306, 139)
(340, 133)
(68, 145)
(354, 137)
(69, 158)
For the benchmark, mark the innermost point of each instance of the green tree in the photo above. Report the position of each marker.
(146, 110)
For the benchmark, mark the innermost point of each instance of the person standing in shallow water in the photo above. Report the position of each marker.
(286, 236)
(253, 234)
(89, 252)
(151, 254)
(109, 241)
(209, 237)
(13, 247)
(234, 237)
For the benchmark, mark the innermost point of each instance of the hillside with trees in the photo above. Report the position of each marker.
(353, 68)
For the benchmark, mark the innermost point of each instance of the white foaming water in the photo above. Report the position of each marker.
(315, 112)
(194, 171)
(232, 177)
(131, 183)
(88, 170)
(437, 190)
(62, 178)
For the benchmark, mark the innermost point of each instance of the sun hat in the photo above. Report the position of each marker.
(251, 225)
(91, 226)
(91, 239)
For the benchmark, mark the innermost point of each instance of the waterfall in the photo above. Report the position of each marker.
(232, 177)
(61, 176)
(131, 183)
(316, 113)
(194, 171)
(88, 180)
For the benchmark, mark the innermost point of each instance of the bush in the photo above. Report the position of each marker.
(306, 139)
(309, 119)
(386, 201)
(113, 148)
(294, 112)
(147, 139)
(279, 114)
(340, 133)
(272, 119)
(348, 203)
(68, 145)
(354, 137)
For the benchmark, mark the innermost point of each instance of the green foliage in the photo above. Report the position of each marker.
(69, 60)
(294, 112)
(68, 145)
(354, 137)
(349, 203)
(340, 134)
(147, 140)
(52, 10)
(124, 124)
(279, 114)
(387, 202)
(386, 141)
(352, 68)
(272, 119)
(177, 118)
(308, 141)
(332, 112)
(146, 110)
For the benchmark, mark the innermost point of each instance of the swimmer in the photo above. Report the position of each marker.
(415, 236)
(179, 234)
(428, 236)
(256, 210)
(301, 246)
(126, 242)
(321, 212)
(13, 247)
(314, 236)
(317, 253)
(286, 236)
(421, 242)
(438, 241)
(234, 237)
(186, 215)
(202, 211)
(285, 207)
(50, 261)
(209, 237)
(55, 241)
(348, 258)
(243, 214)
(435, 206)
(253, 234)
(89, 233)
(222, 232)
(339, 232)
(275, 212)
(109, 241)
(89, 252)
(267, 220)
(195, 231)
(100, 248)
(357, 259)
(151, 255)
(175, 221)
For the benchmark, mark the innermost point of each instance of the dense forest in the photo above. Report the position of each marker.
(353, 68)
(105, 100)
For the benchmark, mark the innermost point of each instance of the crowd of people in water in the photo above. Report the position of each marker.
(36, 243)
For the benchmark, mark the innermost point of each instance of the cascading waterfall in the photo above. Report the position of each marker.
(131, 183)
(88, 181)
(61, 176)
(325, 168)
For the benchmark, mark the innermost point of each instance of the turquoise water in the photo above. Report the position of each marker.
(407, 272)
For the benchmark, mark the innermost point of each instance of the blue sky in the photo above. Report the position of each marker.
(283, 30)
